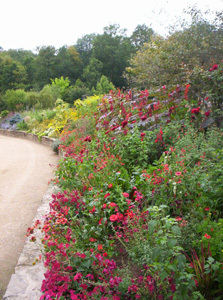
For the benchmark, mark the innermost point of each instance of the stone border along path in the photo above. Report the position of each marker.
(25, 283)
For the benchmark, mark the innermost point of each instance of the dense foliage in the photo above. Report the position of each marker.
(170, 60)
(138, 214)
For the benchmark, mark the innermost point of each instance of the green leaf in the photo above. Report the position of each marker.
(176, 230)
(181, 259)
(163, 275)
(156, 252)
(152, 225)
(171, 243)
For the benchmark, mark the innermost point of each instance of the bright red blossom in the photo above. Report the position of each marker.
(125, 195)
(207, 236)
(113, 218)
(195, 110)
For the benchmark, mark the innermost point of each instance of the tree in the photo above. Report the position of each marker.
(103, 86)
(13, 74)
(84, 47)
(141, 35)
(114, 50)
(77, 91)
(48, 96)
(45, 65)
(93, 72)
(62, 84)
(25, 58)
(169, 60)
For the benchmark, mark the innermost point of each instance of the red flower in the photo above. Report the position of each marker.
(186, 91)
(213, 68)
(125, 195)
(110, 185)
(112, 204)
(105, 254)
(207, 113)
(207, 208)
(195, 110)
(119, 216)
(100, 247)
(92, 239)
(143, 118)
(107, 195)
(113, 218)
(92, 210)
(124, 123)
(104, 206)
(178, 219)
(142, 135)
(87, 138)
(77, 276)
(207, 236)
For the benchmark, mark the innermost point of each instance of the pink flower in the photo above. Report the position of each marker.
(77, 276)
(207, 236)
(178, 173)
(213, 68)
(125, 195)
(113, 218)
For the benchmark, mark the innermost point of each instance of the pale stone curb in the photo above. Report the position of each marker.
(25, 283)
(45, 140)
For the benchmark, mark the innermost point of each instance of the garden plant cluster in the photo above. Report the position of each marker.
(138, 214)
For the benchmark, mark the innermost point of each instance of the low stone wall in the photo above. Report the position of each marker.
(25, 283)
(45, 140)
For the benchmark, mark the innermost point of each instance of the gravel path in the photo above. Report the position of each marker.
(25, 169)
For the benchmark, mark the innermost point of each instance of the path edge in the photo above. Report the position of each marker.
(25, 283)
(45, 140)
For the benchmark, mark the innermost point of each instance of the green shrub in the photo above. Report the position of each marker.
(15, 99)
(4, 113)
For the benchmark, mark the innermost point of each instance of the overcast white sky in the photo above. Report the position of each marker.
(30, 23)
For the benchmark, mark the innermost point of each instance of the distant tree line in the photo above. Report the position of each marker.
(84, 63)
(99, 62)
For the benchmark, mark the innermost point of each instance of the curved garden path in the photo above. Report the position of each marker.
(25, 169)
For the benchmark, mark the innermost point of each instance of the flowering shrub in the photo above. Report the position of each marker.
(140, 192)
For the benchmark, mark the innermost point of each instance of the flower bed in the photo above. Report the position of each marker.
(139, 212)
